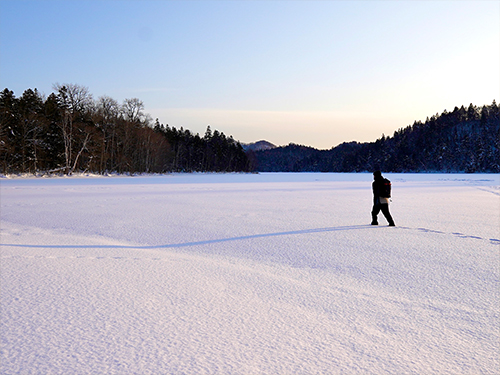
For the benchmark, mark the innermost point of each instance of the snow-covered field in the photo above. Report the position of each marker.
(249, 274)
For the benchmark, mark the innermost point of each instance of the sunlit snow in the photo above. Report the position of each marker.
(249, 274)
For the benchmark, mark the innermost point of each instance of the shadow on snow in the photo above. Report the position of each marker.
(249, 237)
(200, 243)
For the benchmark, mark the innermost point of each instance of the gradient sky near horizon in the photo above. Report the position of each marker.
(316, 73)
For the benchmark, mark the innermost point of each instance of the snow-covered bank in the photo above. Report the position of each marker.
(237, 273)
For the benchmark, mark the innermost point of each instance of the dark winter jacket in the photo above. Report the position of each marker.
(378, 188)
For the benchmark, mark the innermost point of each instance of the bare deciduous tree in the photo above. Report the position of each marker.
(75, 102)
(133, 110)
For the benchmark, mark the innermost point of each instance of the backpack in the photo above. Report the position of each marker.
(385, 188)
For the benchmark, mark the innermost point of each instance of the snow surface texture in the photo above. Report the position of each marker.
(248, 274)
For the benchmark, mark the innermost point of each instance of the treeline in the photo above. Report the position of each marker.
(70, 131)
(212, 152)
(465, 140)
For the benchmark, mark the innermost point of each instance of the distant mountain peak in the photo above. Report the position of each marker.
(258, 146)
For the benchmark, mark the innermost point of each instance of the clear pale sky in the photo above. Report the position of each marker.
(316, 73)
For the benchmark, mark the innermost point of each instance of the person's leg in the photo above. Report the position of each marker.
(375, 211)
(387, 214)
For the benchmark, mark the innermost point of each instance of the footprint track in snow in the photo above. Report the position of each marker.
(493, 241)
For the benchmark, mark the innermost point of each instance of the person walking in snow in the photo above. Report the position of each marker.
(381, 193)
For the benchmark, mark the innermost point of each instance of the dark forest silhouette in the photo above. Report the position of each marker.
(70, 131)
(465, 140)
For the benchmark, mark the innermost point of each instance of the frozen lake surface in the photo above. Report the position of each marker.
(249, 274)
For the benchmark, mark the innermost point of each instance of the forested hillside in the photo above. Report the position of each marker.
(465, 140)
(71, 131)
